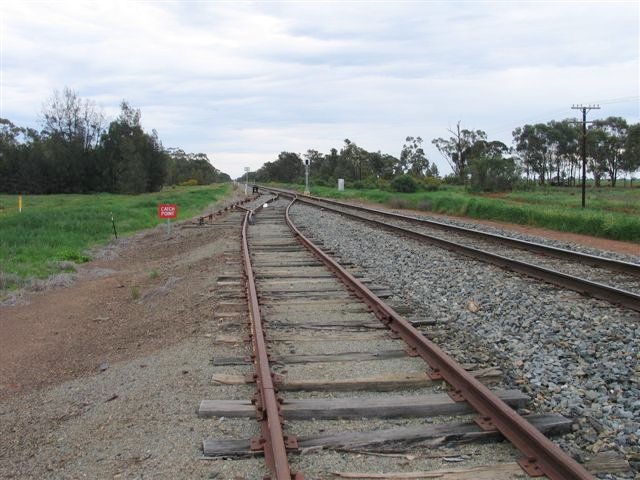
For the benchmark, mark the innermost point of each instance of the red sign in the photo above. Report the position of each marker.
(168, 210)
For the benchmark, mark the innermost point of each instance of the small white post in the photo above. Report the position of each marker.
(168, 226)
(341, 184)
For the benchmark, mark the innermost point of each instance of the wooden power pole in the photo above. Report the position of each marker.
(584, 109)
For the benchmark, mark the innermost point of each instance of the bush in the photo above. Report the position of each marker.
(192, 182)
(322, 182)
(383, 184)
(452, 179)
(493, 174)
(404, 184)
(430, 184)
(73, 256)
(368, 183)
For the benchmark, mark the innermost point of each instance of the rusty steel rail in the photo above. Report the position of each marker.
(272, 440)
(561, 253)
(595, 289)
(541, 455)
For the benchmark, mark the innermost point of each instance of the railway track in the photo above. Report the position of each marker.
(347, 388)
(607, 279)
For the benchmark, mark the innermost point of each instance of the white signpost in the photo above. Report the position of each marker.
(246, 181)
(341, 184)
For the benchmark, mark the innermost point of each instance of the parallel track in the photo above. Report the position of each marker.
(596, 289)
(270, 297)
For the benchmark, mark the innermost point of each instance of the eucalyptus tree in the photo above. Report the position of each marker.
(563, 142)
(631, 157)
(532, 146)
(413, 158)
(611, 144)
(457, 149)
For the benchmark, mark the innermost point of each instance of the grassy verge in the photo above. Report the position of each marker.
(54, 228)
(611, 213)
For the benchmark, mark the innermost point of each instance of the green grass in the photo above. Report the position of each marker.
(612, 213)
(605, 199)
(54, 228)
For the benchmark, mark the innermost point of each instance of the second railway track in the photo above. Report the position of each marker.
(603, 278)
(357, 390)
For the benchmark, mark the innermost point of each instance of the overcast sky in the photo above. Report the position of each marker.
(244, 81)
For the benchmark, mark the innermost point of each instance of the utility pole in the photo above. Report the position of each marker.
(584, 109)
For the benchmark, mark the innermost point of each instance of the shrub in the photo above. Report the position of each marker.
(73, 256)
(383, 184)
(322, 182)
(493, 174)
(430, 184)
(192, 182)
(452, 179)
(404, 184)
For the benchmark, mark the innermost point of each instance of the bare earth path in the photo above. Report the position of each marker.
(101, 379)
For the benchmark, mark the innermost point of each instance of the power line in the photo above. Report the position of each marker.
(610, 101)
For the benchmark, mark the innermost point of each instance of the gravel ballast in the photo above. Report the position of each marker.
(574, 355)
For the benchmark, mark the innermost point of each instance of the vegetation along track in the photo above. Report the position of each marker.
(607, 279)
(343, 380)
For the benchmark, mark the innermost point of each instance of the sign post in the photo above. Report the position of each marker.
(168, 211)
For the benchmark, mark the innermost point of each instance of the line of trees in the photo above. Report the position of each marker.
(547, 152)
(77, 152)
(351, 162)
(552, 151)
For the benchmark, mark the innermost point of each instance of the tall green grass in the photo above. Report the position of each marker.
(611, 213)
(54, 228)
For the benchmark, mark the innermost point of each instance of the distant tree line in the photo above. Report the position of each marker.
(552, 151)
(548, 153)
(356, 165)
(77, 152)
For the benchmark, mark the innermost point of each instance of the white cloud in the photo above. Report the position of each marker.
(244, 81)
